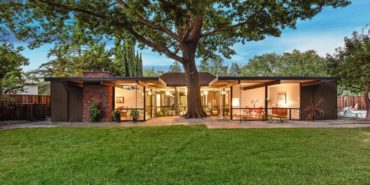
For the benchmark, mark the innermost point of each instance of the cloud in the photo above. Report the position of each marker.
(322, 43)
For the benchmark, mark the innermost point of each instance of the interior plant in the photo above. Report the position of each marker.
(314, 111)
(116, 116)
(94, 111)
(135, 115)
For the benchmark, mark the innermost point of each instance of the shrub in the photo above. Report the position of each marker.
(134, 114)
(314, 111)
(116, 115)
(94, 111)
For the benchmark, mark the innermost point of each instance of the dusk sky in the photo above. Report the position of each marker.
(323, 33)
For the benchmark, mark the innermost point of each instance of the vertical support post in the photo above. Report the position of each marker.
(151, 103)
(300, 101)
(144, 103)
(231, 103)
(113, 97)
(240, 101)
(290, 113)
(336, 100)
(266, 103)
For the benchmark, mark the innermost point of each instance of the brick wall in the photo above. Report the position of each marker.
(102, 95)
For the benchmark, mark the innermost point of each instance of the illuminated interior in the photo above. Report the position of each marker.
(248, 101)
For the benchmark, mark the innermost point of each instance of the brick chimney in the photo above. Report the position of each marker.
(97, 74)
(102, 94)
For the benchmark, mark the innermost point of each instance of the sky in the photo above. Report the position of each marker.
(322, 33)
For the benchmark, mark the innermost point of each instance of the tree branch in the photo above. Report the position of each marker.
(139, 37)
(196, 29)
(225, 28)
(150, 23)
(154, 45)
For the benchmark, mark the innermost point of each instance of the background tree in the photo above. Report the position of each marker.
(234, 70)
(352, 64)
(11, 63)
(151, 72)
(175, 67)
(126, 62)
(295, 63)
(71, 60)
(263, 65)
(214, 66)
(196, 28)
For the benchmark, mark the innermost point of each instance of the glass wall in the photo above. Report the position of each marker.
(171, 101)
(284, 101)
(129, 97)
(149, 103)
(248, 103)
(225, 103)
(210, 101)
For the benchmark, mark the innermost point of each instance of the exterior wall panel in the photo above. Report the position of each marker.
(75, 103)
(327, 91)
(59, 102)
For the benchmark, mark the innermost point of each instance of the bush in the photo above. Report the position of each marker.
(94, 111)
(116, 116)
(134, 114)
(314, 110)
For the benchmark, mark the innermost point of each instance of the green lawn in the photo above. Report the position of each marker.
(184, 155)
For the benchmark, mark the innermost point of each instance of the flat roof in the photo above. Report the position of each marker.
(93, 79)
(275, 78)
(179, 79)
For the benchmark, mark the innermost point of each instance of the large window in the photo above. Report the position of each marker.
(129, 97)
(284, 101)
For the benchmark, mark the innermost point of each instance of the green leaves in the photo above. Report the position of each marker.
(295, 63)
(161, 25)
(352, 62)
(175, 67)
(11, 61)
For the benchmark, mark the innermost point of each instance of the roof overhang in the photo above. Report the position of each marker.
(255, 82)
(155, 82)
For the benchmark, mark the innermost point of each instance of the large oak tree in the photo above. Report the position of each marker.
(352, 64)
(183, 30)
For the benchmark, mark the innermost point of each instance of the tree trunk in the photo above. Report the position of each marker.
(195, 109)
(367, 101)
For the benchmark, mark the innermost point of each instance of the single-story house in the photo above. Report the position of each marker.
(234, 98)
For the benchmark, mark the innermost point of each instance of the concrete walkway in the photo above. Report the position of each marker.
(212, 123)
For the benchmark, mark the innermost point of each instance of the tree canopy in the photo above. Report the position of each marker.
(234, 70)
(214, 66)
(175, 67)
(161, 25)
(71, 60)
(11, 63)
(352, 64)
(295, 63)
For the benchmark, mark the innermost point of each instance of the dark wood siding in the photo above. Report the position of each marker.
(325, 90)
(59, 102)
(75, 103)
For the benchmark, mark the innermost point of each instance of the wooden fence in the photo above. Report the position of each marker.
(36, 99)
(26, 107)
(351, 101)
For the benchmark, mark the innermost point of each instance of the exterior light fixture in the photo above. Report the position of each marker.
(235, 102)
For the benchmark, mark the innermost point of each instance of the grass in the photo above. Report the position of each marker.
(184, 155)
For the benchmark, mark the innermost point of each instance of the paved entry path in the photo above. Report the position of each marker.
(213, 123)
